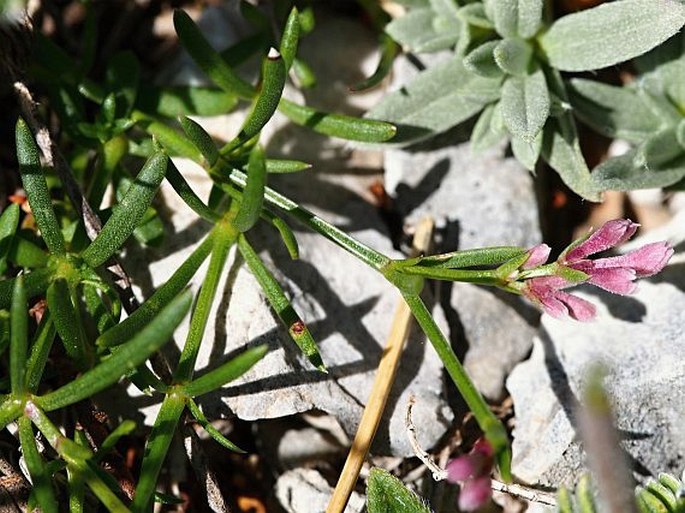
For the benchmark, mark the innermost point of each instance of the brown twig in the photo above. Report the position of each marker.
(382, 385)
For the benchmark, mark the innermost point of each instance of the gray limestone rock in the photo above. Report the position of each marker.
(640, 340)
(306, 491)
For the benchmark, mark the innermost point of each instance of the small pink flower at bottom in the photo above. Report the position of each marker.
(546, 292)
(472, 471)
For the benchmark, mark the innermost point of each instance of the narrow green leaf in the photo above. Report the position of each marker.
(671, 482)
(290, 38)
(34, 282)
(628, 172)
(680, 133)
(225, 236)
(304, 73)
(97, 308)
(128, 212)
(585, 495)
(77, 491)
(209, 61)
(10, 409)
(130, 355)
(525, 104)
(102, 487)
(266, 102)
(67, 319)
(437, 99)
(225, 373)
(527, 152)
(253, 194)
(564, 501)
(286, 233)
(660, 150)
(9, 221)
(648, 503)
(513, 56)
(41, 479)
(274, 293)
(201, 139)
(489, 129)
(40, 350)
(211, 430)
(36, 188)
(156, 449)
(338, 125)
(610, 33)
(504, 13)
(474, 14)
(530, 13)
(245, 48)
(481, 61)
(160, 299)
(122, 76)
(4, 332)
(468, 258)
(662, 493)
(616, 112)
(389, 50)
(561, 150)
(387, 494)
(187, 194)
(286, 166)
(421, 30)
(18, 337)
(512, 18)
(124, 429)
(175, 101)
(25, 253)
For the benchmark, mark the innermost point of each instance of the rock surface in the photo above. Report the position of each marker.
(305, 490)
(640, 340)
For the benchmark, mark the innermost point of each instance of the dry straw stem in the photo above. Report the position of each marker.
(382, 385)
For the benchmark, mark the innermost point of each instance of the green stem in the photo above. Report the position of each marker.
(225, 237)
(156, 449)
(484, 277)
(366, 254)
(493, 428)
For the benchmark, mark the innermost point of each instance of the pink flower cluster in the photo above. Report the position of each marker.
(615, 274)
(472, 471)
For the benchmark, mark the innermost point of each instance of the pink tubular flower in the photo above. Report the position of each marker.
(546, 292)
(616, 274)
(472, 471)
